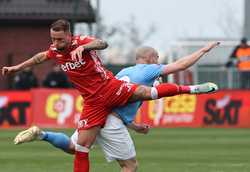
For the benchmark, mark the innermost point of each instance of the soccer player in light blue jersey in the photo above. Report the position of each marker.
(114, 138)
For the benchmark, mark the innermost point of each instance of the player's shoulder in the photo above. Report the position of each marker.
(78, 37)
(141, 67)
(124, 71)
(51, 52)
(128, 69)
(52, 47)
(152, 71)
(152, 66)
(81, 39)
(121, 72)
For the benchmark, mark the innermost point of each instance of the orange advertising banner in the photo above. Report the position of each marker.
(15, 109)
(61, 108)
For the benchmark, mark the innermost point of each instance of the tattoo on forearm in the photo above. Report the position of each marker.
(96, 45)
(37, 59)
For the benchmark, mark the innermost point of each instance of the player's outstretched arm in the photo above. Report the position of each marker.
(187, 61)
(36, 59)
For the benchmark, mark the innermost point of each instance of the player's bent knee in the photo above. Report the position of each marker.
(87, 137)
(130, 165)
(134, 166)
(141, 93)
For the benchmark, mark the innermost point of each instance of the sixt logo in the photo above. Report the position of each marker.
(72, 65)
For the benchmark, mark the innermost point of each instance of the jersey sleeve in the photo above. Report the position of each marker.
(120, 74)
(154, 71)
(51, 53)
(85, 39)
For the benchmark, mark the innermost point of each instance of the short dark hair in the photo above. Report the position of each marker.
(60, 25)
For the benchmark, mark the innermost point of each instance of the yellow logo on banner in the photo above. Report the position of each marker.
(180, 104)
(50, 110)
(79, 104)
(177, 104)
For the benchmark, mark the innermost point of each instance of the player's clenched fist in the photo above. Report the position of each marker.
(9, 70)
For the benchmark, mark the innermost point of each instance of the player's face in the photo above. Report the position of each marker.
(60, 39)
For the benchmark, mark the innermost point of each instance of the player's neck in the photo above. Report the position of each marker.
(141, 61)
(67, 47)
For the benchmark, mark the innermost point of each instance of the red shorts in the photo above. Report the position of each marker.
(95, 112)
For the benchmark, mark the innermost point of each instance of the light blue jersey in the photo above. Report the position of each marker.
(142, 74)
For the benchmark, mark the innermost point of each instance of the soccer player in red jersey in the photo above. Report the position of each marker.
(100, 89)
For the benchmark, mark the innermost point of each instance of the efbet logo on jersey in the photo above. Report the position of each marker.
(72, 65)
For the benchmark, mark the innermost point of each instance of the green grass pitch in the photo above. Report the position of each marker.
(162, 150)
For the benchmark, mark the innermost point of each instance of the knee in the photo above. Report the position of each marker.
(87, 137)
(131, 166)
(143, 92)
(134, 166)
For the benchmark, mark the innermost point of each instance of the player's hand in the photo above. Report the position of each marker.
(76, 55)
(8, 70)
(142, 128)
(210, 46)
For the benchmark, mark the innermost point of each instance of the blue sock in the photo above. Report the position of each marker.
(59, 140)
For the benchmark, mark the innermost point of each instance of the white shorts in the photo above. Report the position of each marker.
(114, 139)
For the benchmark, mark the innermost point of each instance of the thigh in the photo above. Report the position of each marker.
(93, 115)
(115, 140)
(118, 94)
(91, 120)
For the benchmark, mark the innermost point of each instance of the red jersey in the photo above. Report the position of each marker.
(88, 76)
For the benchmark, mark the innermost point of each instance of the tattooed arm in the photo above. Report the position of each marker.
(36, 59)
(96, 44)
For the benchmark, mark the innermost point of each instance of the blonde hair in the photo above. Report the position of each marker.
(142, 52)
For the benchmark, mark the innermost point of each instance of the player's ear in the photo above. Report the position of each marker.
(68, 34)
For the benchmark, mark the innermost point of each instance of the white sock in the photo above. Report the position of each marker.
(42, 135)
(193, 88)
(154, 93)
(80, 148)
